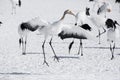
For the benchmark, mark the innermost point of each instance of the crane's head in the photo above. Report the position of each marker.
(77, 19)
(80, 16)
(87, 11)
(108, 7)
(69, 12)
(105, 7)
(108, 10)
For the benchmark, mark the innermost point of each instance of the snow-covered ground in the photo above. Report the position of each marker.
(94, 65)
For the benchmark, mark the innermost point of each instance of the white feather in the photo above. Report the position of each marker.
(70, 29)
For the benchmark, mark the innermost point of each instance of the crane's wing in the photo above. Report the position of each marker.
(101, 9)
(71, 31)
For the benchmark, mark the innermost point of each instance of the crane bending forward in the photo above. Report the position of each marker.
(45, 28)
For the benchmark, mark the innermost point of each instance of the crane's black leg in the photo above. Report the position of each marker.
(105, 15)
(13, 9)
(110, 49)
(22, 46)
(70, 46)
(119, 8)
(55, 56)
(20, 42)
(81, 47)
(45, 62)
(113, 51)
(25, 43)
(99, 36)
(94, 6)
(23, 53)
(103, 31)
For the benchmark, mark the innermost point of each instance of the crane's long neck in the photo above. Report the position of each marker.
(62, 17)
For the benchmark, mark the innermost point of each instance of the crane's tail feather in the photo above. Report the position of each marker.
(98, 12)
(70, 46)
(19, 3)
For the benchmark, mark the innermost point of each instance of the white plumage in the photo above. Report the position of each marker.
(112, 34)
(95, 21)
(77, 32)
(45, 28)
(83, 21)
(29, 26)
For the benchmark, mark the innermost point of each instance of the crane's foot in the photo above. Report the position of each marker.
(78, 53)
(81, 54)
(45, 62)
(56, 58)
(97, 35)
(23, 53)
(69, 52)
(112, 57)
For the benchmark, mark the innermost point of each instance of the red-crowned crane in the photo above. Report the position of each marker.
(112, 34)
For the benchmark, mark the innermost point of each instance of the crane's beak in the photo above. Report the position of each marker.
(118, 24)
(109, 10)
